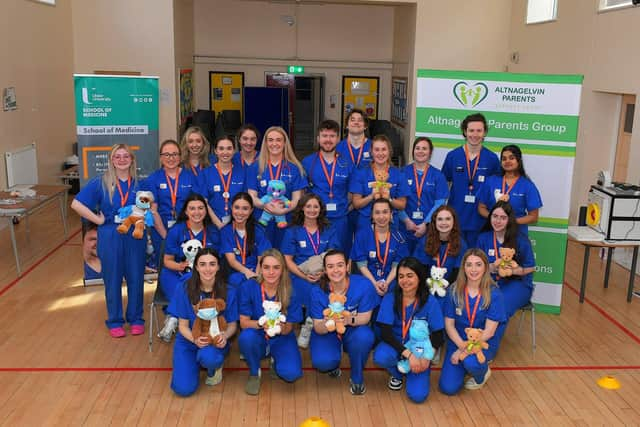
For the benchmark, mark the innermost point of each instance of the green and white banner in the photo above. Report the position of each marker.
(539, 113)
(112, 110)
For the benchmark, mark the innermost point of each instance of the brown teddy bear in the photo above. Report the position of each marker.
(506, 263)
(137, 215)
(209, 322)
(474, 344)
(334, 314)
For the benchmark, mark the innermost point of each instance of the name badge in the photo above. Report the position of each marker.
(263, 183)
(163, 186)
(225, 219)
(171, 223)
(491, 252)
(409, 181)
(236, 251)
(459, 168)
(469, 198)
(117, 219)
(365, 154)
(303, 244)
(417, 215)
(372, 254)
(480, 178)
(458, 311)
(216, 188)
(332, 207)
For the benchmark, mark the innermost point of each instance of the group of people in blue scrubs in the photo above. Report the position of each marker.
(363, 237)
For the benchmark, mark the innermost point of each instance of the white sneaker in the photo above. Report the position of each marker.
(169, 328)
(436, 357)
(305, 333)
(471, 383)
(215, 379)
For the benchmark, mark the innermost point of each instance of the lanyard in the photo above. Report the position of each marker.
(495, 246)
(278, 170)
(439, 262)
(420, 184)
(225, 186)
(330, 177)
(173, 191)
(475, 168)
(346, 288)
(504, 185)
(386, 251)
(243, 163)
(193, 236)
(243, 248)
(353, 160)
(407, 325)
(314, 244)
(195, 170)
(471, 316)
(124, 197)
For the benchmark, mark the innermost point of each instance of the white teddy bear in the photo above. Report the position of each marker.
(273, 317)
(437, 283)
(190, 249)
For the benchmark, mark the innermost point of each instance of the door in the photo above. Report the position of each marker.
(307, 110)
(285, 80)
(621, 165)
(266, 106)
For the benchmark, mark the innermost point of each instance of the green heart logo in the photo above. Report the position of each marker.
(470, 96)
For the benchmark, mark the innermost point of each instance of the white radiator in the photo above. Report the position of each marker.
(22, 166)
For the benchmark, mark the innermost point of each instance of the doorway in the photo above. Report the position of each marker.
(623, 145)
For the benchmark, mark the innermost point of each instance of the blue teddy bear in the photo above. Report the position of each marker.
(418, 343)
(276, 190)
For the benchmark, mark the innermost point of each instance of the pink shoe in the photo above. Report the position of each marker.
(118, 332)
(137, 329)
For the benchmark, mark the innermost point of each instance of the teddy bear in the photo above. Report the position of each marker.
(506, 263)
(272, 317)
(276, 190)
(335, 313)
(190, 248)
(474, 344)
(437, 283)
(137, 215)
(418, 343)
(209, 322)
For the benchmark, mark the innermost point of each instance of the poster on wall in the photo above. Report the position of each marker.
(186, 94)
(361, 93)
(539, 113)
(112, 110)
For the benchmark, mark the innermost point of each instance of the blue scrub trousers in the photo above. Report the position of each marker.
(302, 288)
(341, 227)
(471, 237)
(187, 360)
(283, 348)
(122, 256)
(452, 376)
(326, 350)
(417, 385)
(516, 295)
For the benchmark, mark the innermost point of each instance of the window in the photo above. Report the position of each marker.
(614, 4)
(541, 11)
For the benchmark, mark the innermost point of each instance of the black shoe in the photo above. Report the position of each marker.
(395, 384)
(358, 389)
(336, 373)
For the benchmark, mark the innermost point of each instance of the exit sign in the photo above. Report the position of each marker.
(295, 69)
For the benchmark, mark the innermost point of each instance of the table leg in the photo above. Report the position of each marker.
(15, 246)
(632, 274)
(585, 268)
(606, 271)
(63, 212)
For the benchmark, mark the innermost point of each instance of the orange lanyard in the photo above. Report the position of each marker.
(173, 191)
(124, 197)
(243, 163)
(243, 248)
(315, 245)
(330, 177)
(420, 184)
(407, 325)
(226, 185)
(195, 170)
(353, 160)
(278, 170)
(346, 288)
(386, 251)
(439, 262)
(504, 185)
(475, 168)
(495, 246)
(471, 316)
(193, 236)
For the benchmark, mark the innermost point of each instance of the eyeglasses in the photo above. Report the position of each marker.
(169, 155)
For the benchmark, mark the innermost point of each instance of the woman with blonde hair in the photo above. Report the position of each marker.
(121, 255)
(195, 150)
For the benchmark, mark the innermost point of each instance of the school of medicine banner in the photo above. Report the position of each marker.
(539, 113)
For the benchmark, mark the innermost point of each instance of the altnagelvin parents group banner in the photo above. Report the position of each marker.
(539, 113)
(112, 110)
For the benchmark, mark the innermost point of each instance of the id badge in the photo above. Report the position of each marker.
(216, 188)
(380, 273)
(365, 154)
(480, 178)
(491, 252)
(163, 186)
(117, 219)
(458, 311)
(263, 183)
(236, 251)
(171, 223)
(225, 219)
(303, 244)
(332, 207)
(470, 198)
(417, 215)
(372, 254)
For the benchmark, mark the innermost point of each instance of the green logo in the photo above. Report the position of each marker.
(470, 95)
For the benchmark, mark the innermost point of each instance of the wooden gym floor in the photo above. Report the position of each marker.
(58, 365)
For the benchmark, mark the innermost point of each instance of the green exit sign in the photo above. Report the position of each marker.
(295, 69)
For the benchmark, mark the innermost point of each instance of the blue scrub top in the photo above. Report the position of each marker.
(364, 179)
(361, 297)
(456, 172)
(237, 161)
(452, 262)
(524, 255)
(434, 188)
(289, 174)
(212, 188)
(90, 273)
(96, 198)
(157, 184)
(251, 303)
(319, 185)
(364, 249)
(523, 198)
(358, 160)
(178, 234)
(183, 309)
(228, 245)
(194, 171)
(430, 312)
(296, 242)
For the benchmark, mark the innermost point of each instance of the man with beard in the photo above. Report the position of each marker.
(92, 265)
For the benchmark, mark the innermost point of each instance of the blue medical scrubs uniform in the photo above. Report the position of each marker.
(417, 385)
(121, 255)
(238, 162)
(463, 199)
(254, 344)
(212, 187)
(232, 242)
(187, 357)
(357, 341)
